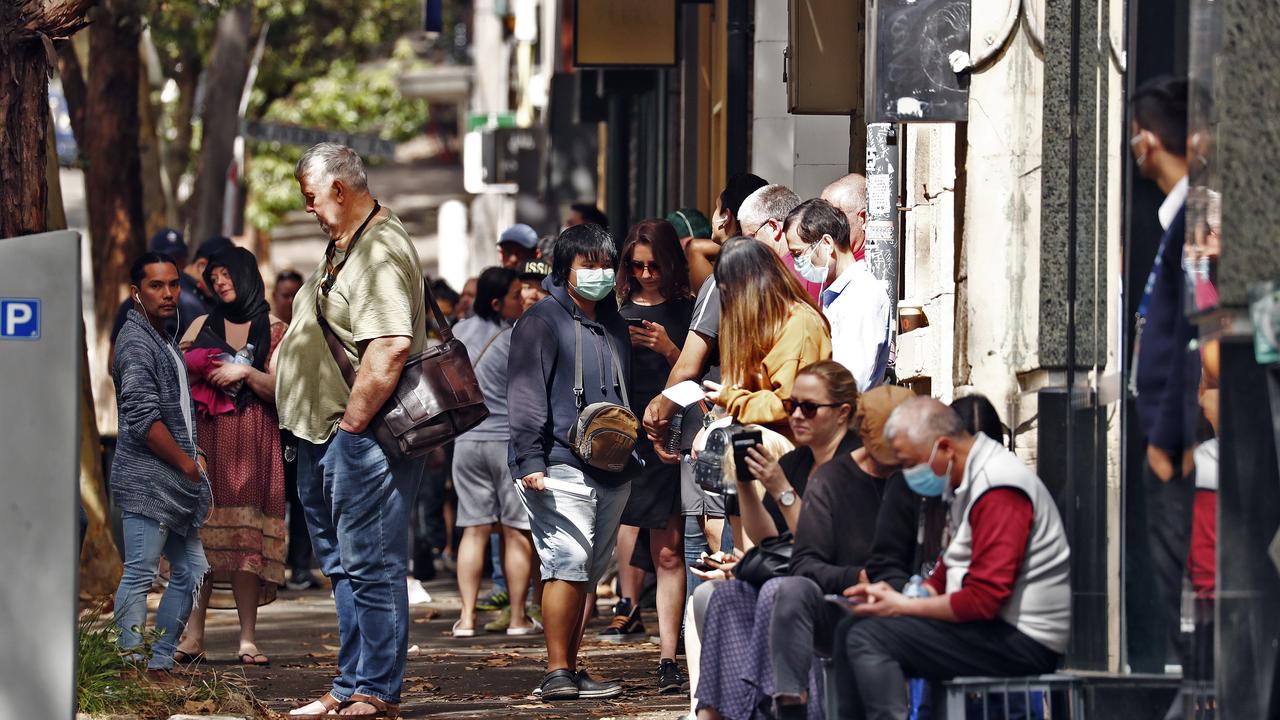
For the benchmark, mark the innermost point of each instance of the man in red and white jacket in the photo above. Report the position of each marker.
(999, 598)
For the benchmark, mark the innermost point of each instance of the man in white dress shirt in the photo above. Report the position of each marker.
(825, 249)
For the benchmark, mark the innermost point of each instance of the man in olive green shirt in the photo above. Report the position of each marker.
(357, 504)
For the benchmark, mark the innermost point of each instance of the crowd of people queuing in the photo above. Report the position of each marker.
(846, 518)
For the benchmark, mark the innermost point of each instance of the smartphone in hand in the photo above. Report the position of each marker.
(845, 601)
(742, 442)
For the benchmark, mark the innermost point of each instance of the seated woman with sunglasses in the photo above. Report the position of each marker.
(735, 624)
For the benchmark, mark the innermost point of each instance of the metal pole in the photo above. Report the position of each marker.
(882, 210)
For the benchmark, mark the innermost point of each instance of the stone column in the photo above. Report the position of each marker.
(1247, 144)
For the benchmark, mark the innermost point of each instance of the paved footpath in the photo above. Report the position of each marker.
(488, 676)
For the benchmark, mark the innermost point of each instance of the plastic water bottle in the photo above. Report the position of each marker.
(917, 688)
(245, 355)
(915, 588)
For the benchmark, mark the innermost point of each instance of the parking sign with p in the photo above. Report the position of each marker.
(19, 319)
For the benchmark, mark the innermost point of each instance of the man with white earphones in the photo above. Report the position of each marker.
(158, 474)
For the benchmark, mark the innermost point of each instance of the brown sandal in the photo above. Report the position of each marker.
(327, 701)
(383, 710)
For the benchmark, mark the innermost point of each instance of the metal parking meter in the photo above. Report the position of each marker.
(40, 347)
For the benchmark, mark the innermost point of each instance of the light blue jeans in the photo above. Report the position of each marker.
(357, 507)
(575, 533)
(145, 540)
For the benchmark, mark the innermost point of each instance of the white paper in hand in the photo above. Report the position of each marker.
(684, 394)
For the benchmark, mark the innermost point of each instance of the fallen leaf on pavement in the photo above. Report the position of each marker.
(200, 706)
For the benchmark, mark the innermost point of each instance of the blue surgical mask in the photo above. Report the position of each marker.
(594, 283)
(923, 480)
(807, 270)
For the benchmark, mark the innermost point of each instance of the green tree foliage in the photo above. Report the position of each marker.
(307, 40)
(348, 98)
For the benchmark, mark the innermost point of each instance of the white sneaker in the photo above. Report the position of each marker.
(418, 595)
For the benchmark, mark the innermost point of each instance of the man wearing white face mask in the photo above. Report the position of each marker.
(823, 245)
(999, 599)
(570, 352)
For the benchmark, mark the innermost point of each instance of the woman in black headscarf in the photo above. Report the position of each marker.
(229, 351)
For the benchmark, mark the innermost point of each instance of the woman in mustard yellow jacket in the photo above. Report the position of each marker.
(770, 328)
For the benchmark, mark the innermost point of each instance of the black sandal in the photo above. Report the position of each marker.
(253, 659)
(183, 657)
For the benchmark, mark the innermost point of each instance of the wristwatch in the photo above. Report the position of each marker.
(787, 498)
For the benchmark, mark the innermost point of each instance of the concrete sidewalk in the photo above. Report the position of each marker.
(488, 676)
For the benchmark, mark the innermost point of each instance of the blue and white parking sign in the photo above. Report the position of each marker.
(19, 319)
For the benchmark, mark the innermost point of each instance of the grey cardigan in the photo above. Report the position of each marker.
(147, 390)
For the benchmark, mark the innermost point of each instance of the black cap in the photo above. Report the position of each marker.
(534, 269)
(213, 245)
(167, 241)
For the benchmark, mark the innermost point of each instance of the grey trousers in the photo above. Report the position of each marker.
(802, 623)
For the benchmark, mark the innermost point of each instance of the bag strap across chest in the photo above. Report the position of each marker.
(578, 384)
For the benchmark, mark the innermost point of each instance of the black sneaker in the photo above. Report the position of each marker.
(626, 625)
(670, 679)
(558, 685)
(302, 580)
(589, 688)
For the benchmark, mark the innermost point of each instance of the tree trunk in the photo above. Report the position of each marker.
(224, 84)
(155, 203)
(99, 558)
(113, 178)
(178, 153)
(73, 88)
(27, 163)
(100, 564)
(24, 112)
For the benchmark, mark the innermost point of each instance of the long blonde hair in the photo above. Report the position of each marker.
(757, 295)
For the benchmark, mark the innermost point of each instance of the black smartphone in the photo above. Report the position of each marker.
(743, 441)
(635, 322)
(701, 566)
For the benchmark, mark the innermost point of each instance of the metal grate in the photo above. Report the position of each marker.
(1044, 697)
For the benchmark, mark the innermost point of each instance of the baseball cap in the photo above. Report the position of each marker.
(534, 269)
(520, 234)
(167, 241)
(689, 222)
(213, 245)
(874, 408)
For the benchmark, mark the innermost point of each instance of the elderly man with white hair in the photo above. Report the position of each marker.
(999, 599)
(762, 216)
(357, 501)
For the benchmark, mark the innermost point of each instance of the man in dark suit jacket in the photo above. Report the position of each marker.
(1167, 369)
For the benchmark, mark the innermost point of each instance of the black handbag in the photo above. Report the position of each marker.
(766, 561)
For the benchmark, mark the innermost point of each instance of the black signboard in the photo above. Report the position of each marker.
(910, 43)
(513, 156)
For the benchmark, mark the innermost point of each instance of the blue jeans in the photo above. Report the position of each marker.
(357, 507)
(145, 540)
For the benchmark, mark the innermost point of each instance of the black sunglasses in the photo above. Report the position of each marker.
(808, 408)
(638, 267)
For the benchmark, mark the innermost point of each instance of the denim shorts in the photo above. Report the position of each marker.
(575, 531)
